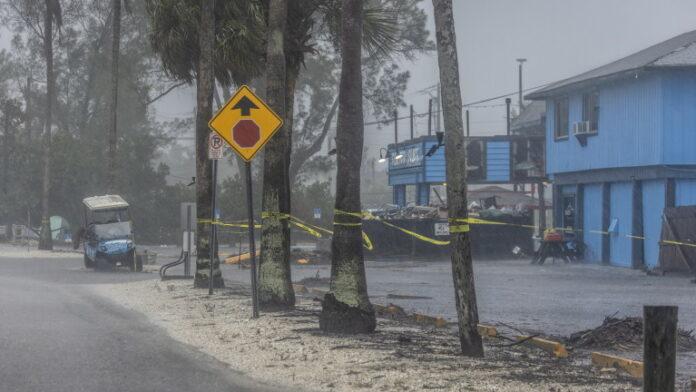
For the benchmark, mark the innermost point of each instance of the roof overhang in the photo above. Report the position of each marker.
(106, 202)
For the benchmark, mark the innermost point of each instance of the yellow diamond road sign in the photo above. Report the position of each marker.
(246, 123)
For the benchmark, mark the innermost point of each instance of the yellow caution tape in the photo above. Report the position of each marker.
(292, 220)
(306, 228)
(223, 224)
(677, 243)
(462, 227)
(416, 235)
(459, 229)
(366, 242)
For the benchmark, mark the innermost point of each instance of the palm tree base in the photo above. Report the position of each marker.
(201, 282)
(45, 239)
(337, 317)
(272, 303)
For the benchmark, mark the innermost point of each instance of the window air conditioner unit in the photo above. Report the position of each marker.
(581, 130)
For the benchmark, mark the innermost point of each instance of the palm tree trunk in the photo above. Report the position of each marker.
(45, 237)
(205, 83)
(347, 308)
(115, 54)
(462, 266)
(275, 284)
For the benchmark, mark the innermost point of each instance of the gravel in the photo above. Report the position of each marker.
(288, 349)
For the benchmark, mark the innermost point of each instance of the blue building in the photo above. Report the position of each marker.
(620, 147)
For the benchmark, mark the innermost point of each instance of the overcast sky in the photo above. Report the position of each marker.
(560, 38)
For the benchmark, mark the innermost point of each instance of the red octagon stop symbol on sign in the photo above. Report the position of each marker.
(246, 133)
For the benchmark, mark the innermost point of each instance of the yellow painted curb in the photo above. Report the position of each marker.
(634, 368)
(487, 330)
(555, 348)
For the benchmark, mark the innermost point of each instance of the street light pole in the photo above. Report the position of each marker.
(521, 61)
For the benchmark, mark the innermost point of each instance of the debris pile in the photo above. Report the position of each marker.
(623, 334)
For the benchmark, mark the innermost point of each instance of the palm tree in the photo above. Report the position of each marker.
(53, 13)
(205, 83)
(347, 307)
(185, 34)
(381, 37)
(275, 284)
(462, 267)
(115, 55)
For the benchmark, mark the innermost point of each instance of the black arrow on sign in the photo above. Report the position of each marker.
(245, 105)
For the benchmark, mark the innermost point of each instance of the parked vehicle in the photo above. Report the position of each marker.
(108, 234)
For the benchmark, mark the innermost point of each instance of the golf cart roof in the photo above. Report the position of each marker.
(106, 202)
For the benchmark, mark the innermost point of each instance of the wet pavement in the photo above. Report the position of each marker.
(55, 335)
(558, 299)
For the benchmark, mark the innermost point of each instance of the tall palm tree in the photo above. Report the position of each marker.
(275, 284)
(455, 156)
(53, 13)
(185, 34)
(381, 31)
(346, 308)
(205, 83)
(113, 109)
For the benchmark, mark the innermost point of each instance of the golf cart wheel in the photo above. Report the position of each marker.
(88, 263)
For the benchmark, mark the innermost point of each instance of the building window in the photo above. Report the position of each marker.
(561, 118)
(590, 110)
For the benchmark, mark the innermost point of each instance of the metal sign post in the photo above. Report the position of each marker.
(252, 244)
(187, 265)
(247, 123)
(215, 144)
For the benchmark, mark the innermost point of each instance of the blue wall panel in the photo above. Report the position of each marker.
(630, 129)
(498, 161)
(592, 222)
(685, 191)
(679, 95)
(435, 168)
(621, 209)
(405, 179)
(653, 204)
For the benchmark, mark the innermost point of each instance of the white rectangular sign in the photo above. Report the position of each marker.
(215, 146)
(442, 229)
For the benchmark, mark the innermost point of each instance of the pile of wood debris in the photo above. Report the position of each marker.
(623, 334)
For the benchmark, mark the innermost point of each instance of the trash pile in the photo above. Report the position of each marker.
(623, 334)
(391, 211)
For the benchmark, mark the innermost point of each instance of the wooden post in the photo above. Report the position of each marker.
(542, 209)
(637, 253)
(659, 348)
(670, 193)
(606, 220)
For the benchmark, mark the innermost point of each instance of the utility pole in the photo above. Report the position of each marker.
(508, 101)
(468, 132)
(396, 126)
(438, 122)
(521, 61)
(430, 117)
(411, 122)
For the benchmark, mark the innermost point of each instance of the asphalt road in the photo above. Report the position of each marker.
(55, 336)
